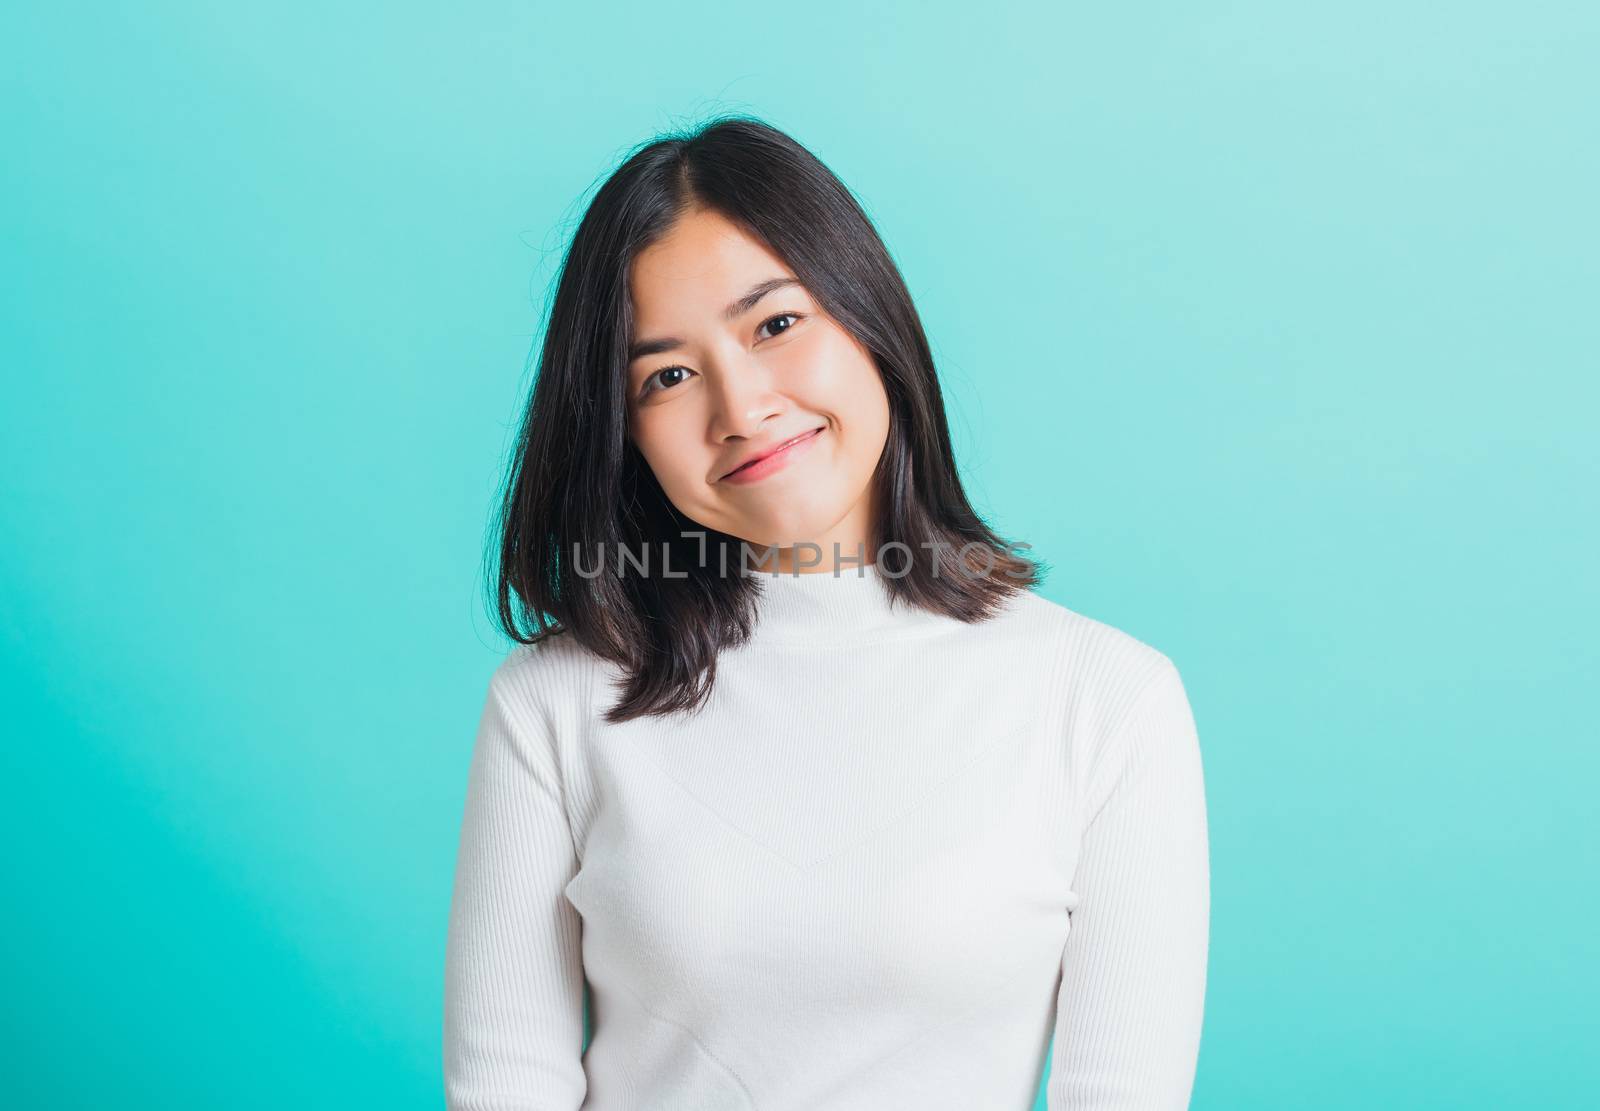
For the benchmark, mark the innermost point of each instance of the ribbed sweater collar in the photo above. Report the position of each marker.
(835, 606)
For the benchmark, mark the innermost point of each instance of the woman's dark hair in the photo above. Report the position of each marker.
(577, 483)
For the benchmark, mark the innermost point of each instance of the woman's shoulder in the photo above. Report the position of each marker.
(1097, 674)
(553, 671)
(1090, 651)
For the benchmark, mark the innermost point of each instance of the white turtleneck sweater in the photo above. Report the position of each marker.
(892, 858)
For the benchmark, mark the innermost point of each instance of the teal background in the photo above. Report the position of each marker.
(1271, 325)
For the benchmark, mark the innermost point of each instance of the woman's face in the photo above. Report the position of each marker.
(732, 358)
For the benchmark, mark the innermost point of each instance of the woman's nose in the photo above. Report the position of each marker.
(744, 395)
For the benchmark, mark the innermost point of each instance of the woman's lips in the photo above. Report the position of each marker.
(771, 464)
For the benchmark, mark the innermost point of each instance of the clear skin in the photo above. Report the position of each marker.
(731, 386)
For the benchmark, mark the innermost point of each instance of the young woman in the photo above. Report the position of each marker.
(790, 768)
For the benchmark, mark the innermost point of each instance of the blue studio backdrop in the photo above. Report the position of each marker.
(1271, 326)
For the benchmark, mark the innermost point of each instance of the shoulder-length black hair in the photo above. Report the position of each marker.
(577, 482)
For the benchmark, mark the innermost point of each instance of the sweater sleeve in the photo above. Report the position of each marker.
(513, 983)
(1132, 993)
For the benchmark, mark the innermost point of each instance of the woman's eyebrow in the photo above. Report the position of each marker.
(742, 305)
(757, 291)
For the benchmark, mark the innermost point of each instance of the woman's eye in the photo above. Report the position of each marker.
(667, 375)
(782, 316)
(670, 376)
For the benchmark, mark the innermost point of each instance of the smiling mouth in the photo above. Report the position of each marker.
(779, 450)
